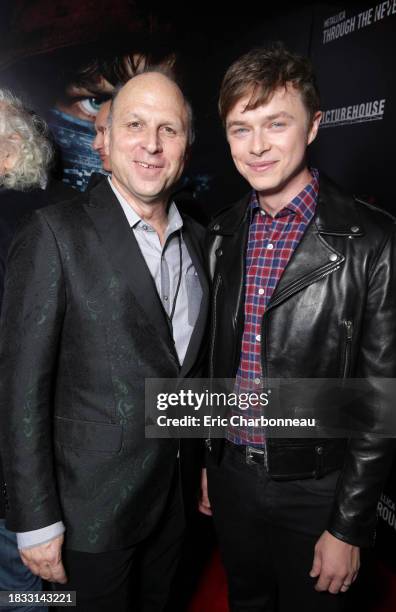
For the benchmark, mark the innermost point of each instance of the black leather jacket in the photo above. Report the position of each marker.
(332, 314)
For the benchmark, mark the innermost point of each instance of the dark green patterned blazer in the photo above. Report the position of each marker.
(82, 327)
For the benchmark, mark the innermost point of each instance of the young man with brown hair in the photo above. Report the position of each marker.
(304, 281)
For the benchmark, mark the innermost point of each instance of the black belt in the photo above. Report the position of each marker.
(292, 462)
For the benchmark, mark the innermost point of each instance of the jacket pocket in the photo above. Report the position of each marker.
(346, 360)
(88, 436)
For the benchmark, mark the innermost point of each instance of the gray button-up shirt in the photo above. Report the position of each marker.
(164, 265)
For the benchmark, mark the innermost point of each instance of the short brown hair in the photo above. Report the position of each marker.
(260, 72)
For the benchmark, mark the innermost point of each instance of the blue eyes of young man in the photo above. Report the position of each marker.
(274, 124)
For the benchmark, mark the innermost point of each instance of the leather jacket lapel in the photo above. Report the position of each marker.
(313, 259)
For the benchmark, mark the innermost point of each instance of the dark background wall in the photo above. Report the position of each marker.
(354, 69)
(354, 66)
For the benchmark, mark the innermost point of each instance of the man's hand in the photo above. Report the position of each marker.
(45, 560)
(336, 563)
(204, 503)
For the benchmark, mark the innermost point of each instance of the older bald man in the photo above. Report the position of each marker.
(104, 293)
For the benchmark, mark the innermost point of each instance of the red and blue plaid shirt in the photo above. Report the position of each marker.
(271, 243)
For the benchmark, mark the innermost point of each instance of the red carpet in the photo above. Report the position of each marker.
(212, 591)
(211, 595)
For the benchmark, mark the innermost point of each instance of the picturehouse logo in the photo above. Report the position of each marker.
(364, 112)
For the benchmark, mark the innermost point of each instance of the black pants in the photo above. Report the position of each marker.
(267, 531)
(134, 579)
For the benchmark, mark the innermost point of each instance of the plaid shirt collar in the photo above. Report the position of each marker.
(303, 204)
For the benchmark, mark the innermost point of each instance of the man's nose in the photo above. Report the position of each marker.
(259, 143)
(152, 141)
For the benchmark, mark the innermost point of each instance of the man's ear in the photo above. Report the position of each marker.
(313, 130)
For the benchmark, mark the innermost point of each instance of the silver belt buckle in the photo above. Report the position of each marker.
(251, 452)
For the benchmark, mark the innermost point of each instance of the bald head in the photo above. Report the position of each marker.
(159, 84)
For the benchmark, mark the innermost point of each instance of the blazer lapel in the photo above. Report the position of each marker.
(124, 253)
(199, 330)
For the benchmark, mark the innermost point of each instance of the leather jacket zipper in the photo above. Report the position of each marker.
(348, 347)
(264, 371)
(214, 324)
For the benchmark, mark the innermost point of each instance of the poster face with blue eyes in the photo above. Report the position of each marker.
(65, 57)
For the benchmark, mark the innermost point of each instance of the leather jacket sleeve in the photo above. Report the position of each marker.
(368, 458)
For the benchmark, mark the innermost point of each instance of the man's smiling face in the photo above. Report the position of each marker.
(147, 139)
(268, 143)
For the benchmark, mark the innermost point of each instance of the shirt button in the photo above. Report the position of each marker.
(270, 246)
(262, 212)
(258, 337)
(165, 298)
(261, 291)
(257, 381)
(145, 227)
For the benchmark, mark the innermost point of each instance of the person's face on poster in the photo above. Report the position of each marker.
(75, 110)
(64, 57)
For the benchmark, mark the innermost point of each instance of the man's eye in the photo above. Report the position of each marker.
(239, 131)
(169, 130)
(278, 124)
(91, 106)
(134, 124)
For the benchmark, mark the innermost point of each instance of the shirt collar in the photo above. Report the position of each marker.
(175, 221)
(303, 204)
